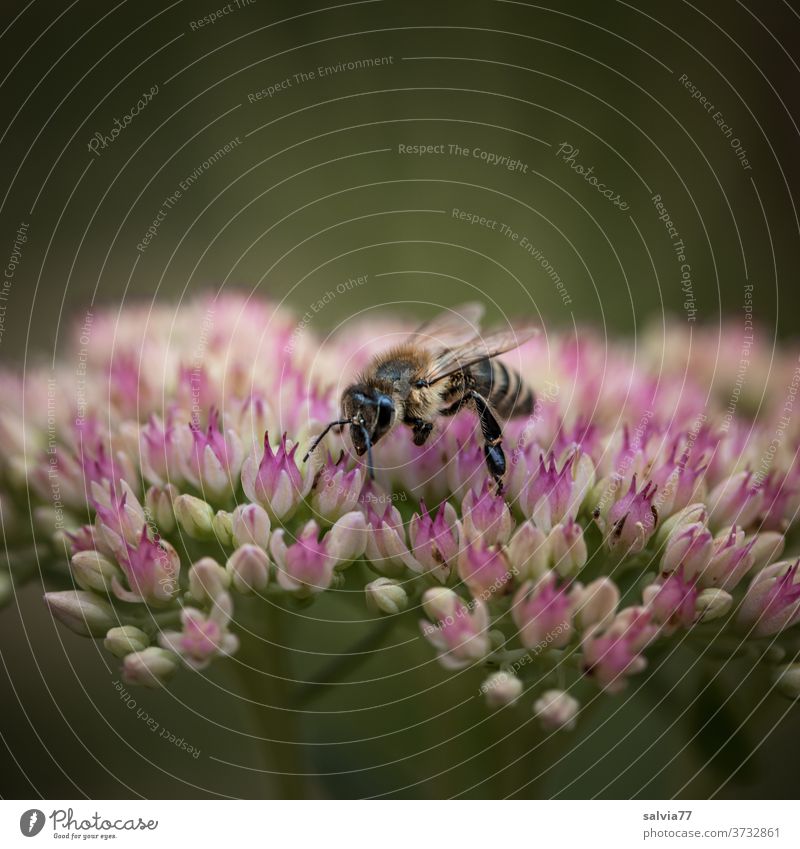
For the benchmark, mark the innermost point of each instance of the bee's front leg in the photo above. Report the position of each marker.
(422, 430)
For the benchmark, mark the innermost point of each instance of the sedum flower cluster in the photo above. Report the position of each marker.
(155, 474)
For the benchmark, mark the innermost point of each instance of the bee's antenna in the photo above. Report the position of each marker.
(322, 436)
(369, 452)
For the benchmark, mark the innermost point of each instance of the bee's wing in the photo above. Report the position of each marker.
(449, 329)
(451, 360)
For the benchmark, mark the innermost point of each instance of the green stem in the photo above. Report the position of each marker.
(345, 663)
(264, 670)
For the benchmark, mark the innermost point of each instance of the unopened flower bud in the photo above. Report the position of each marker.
(767, 547)
(92, 571)
(556, 710)
(195, 517)
(596, 603)
(223, 528)
(386, 596)
(528, 552)
(125, 639)
(712, 604)
(151, 667)
(82, 612)
(567, 548)
(787, 680)
(207, 579)
(248, 568)
(501, 688)
(251, 525)
(159, 504)
(690, 514)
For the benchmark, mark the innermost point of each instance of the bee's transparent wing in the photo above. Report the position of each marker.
(450, 328)
(451, 360)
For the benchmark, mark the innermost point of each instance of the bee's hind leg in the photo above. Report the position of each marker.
(492, 435)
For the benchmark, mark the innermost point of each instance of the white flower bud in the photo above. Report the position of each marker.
(150, 667)
(207, 579)
(222, 524)
(712, 604)
(82, 612)
(250, 524)
(596, 603)
(386, 596)
(195, 517)
(159, 506)
(248, 568)
(92, 571)
(125, 639)
(501, 688)
(556, 710)
(787, 680)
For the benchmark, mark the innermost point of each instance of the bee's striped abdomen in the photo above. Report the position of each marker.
(508, 393)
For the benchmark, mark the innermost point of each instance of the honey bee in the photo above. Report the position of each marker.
(444, 366)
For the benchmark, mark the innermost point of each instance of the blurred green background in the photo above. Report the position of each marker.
(316, 188)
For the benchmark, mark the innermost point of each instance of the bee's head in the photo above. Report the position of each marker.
(370, 412)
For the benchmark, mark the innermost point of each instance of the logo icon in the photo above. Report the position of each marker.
(31, 822)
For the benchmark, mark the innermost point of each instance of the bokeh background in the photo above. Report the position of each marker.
(316, 186)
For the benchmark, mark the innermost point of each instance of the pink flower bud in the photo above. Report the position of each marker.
(672, 601)
(689, 547)
(633, 519)
(543, 613)
(203, 636)
(386, 547)
(250, 523)
(613, 654)
(120, 518)
(731, 560)
(556, 710)
(486, 516)
(734, 501)
(305, 567)
(459, 632)
(213, 459)
(336, 490)
(248, 568)
(484, 569)
(275, 482)
(434, 542)
(549, 496)
(151, 571)
(772, 601)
